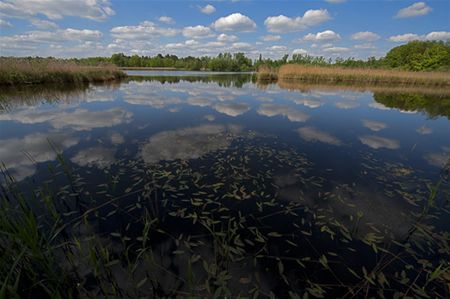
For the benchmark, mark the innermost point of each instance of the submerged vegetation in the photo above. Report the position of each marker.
(15, 71)
(170, 228)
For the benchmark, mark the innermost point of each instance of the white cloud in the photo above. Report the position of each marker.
(434, 35)
(364, 46)
(198, 31)
(270, 38)
(407, 37)
(241, 46)
(415, 10)
(208, 9)
(327, 35)
(166, 20)
(227, 38)
(144, 30)
(235, 22)
(299, 51)
(366, 36)
(83, 34)
(335, 1)
(438, 35)
(282, 24)
(336, 50)
(56, 9)
(277, 48)
(43, 24)
(5, 24)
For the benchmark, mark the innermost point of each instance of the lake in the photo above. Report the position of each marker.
(204, 184)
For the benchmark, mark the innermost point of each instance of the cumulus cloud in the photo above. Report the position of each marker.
(365, 36)
(313, 134)
(235, 22)
(207, 9)
(166, 20)
(407, 37)
(227, 37)
(414, 10)
(270, 38)
(335, 1)
(292, 114)
(336, 50)
(374, 125)
(241, 46)
(299, 52)
(43, 24)
(377, 142)
(438, 35)
(98, 156)
(434, 35)
(277, 48)
(188, 143)
(364, 46)
(198, 31)
(56, 9)
(282, 23)
(144, 30)
(327, 35)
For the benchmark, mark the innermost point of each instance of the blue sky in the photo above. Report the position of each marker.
(330, 28)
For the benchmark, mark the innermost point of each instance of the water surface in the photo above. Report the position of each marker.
(279, 189)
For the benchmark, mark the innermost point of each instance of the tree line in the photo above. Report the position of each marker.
(414, 56)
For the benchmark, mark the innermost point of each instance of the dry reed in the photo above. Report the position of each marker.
(339, 75)
(49, 70)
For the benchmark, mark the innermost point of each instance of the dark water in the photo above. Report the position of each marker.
(249, 189)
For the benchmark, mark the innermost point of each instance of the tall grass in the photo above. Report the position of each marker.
(339, 75)
(15, 71)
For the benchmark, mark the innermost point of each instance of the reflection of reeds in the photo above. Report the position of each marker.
(47, 70)
(338, 75)
(443, 91)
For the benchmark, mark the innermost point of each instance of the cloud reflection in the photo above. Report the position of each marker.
(188, 143)
(292, 114)
(377, 142)
(374, 125)
(313, 134)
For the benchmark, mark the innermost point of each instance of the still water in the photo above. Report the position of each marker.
(235, 188)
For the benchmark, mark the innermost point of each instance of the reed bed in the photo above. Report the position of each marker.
(339, 75)
(14, 71)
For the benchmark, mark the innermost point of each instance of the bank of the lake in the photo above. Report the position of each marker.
(17, 71)
(349, 76)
